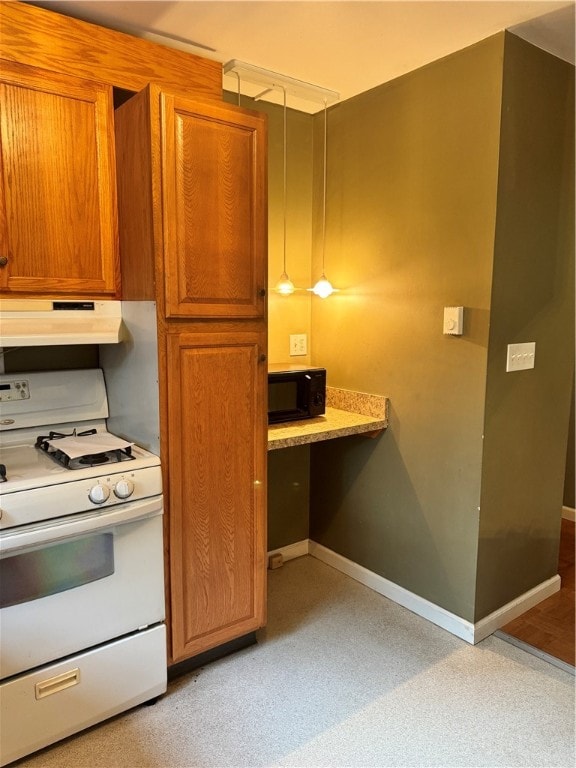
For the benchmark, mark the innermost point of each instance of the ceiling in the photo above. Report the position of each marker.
(345, 46)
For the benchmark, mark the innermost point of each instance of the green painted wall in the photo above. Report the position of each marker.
(421, 215)
(411, 215)
(527, 412)
(288, 496)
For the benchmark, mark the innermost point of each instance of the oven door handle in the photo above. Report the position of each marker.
(76, 525)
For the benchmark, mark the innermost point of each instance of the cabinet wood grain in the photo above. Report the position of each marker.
(189, 174)
(217, 489)
(58, 216)
(194, 229)
(214, 229)
(60, 43)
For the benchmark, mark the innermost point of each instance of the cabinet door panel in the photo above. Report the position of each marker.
(215, 222)
(217, 489)
(58, 221)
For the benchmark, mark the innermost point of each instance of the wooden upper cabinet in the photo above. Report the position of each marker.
(214, 166)
(58, 215)
(209, 172)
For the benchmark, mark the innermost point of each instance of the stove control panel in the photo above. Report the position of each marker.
(85, 495)
(123, 488)
(14, 390)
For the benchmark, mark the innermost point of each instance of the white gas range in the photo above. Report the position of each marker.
(81, 562)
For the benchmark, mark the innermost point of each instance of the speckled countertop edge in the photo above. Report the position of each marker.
(335, 423)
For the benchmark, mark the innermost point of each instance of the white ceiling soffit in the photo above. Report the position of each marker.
(347, 47)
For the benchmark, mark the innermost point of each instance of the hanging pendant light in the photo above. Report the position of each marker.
(323, 287)
(272, 81)
(284, 286)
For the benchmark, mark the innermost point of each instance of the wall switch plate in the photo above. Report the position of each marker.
(453, 321)
(298, 344)
(520, 356)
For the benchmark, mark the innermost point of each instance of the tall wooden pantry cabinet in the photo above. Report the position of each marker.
(192, 218)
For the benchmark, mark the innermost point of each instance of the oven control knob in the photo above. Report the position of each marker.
(99, 493)
(123, 489)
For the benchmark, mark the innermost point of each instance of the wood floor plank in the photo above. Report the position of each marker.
(550, 625)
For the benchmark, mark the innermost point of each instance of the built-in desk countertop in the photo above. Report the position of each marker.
(347, 413)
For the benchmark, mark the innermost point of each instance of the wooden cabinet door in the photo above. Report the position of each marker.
(58, 217)
(217, 488)
(214, 192)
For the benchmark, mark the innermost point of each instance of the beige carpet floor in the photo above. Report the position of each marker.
(343, 677)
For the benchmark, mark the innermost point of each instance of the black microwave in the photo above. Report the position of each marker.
(295, 392)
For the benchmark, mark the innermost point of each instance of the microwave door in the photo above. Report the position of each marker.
(284, 399)
(296, 394)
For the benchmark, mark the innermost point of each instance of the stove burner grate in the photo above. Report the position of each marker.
(113, 456)
(41, 440)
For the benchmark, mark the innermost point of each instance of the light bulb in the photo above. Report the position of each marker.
(323, 288)
(284, 286)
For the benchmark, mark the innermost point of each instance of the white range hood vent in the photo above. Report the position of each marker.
(44, 322)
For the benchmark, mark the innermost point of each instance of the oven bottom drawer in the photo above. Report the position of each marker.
(44, 706)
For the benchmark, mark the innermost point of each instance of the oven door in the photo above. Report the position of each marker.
(72, 583)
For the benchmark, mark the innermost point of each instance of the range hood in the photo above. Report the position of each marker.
(43, 322)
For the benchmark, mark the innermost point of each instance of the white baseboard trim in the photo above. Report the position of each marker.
(471, 633)
(434, 613)
(290, 551)
(569, 513)
(489, 624)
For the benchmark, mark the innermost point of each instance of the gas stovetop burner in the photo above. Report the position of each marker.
(47, 444)
(94, 458)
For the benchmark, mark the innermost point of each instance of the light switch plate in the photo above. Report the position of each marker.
(520, 357)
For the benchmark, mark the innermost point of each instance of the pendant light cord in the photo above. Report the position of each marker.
(324, 189)
(239, 86)
(284, 177)
(324, 287)
(284, 286)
